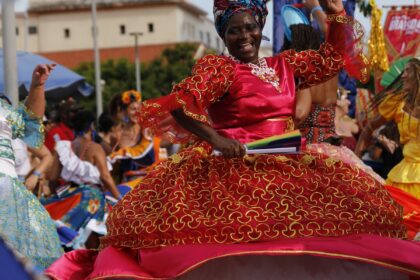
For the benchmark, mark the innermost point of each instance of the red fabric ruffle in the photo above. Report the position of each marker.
(210, 80)
(345, 35)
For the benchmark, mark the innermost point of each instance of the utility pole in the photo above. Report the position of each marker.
(137, 58)
(99, 103)
(9, 51)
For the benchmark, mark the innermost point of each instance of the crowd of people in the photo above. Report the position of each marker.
(116, 196)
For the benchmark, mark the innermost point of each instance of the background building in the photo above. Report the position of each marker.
(62, 29)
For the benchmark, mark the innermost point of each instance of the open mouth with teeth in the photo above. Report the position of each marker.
(245, 47)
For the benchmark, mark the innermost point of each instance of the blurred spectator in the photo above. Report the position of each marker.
(81, 164)
(31, 165)
(63, 129)
(109, 132)
(385, 151)
(50, 120)
(137, 149)
(345, 126)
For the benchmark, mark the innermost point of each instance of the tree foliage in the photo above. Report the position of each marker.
(157, 77)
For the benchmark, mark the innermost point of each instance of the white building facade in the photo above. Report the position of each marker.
(62, 29)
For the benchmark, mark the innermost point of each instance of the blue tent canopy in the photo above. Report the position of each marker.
(61, 84)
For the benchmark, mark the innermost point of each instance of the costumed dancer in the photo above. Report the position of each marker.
(23, 221)
(83, 167)
(63, 127)
(137, 149)
(316, 106)
(246, 212)
(400, 102)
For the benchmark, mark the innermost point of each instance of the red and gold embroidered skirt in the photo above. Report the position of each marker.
(197, 198)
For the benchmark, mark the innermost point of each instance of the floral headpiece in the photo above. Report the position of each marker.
(130, 96)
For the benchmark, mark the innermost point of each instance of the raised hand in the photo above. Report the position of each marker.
(41, 74)
(332, 6)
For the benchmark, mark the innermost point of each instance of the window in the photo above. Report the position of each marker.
(151, 27)
(32, 30)
(66, 33)
(122, 29)
(201, 36)
(17, 31)
(218, 43)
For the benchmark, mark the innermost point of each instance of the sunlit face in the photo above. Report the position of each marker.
(243, 37)
(409, 77)
(132, 111)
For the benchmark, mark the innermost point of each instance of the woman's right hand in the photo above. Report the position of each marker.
(228, 147)
(41, 73)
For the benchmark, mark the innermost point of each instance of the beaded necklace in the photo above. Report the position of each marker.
(263, 72)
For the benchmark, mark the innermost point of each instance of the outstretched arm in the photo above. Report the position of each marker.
(228, 147)
(36, 97)
(342, 48)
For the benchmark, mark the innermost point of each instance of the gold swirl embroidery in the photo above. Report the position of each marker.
(211, 78)
(313, 67)
(216, 200)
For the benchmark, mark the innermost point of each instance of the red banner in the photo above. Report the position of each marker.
(402, 30)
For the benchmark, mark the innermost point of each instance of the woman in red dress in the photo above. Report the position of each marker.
(246, 212)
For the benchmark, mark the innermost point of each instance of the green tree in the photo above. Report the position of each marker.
(158, 76)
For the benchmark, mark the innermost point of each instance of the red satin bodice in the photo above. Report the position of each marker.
(253, 109)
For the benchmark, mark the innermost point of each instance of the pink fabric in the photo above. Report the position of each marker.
(250, 104)
(172, 261)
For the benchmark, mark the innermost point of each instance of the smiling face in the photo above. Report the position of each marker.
(132, 111)
(243, 37)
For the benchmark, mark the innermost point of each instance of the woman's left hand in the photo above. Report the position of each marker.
(41, 74)
(332, 6)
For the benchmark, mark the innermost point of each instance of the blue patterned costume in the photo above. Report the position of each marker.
(23, 221)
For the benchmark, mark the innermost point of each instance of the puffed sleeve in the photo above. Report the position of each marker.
(25, 125)
(210, 79)
(390, 106)
(342, 48)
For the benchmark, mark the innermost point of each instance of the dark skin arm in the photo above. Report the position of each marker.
(303, 105)
(228, 147)
(366, 134)
(99, 158)
(36, 98)
(54, 171)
